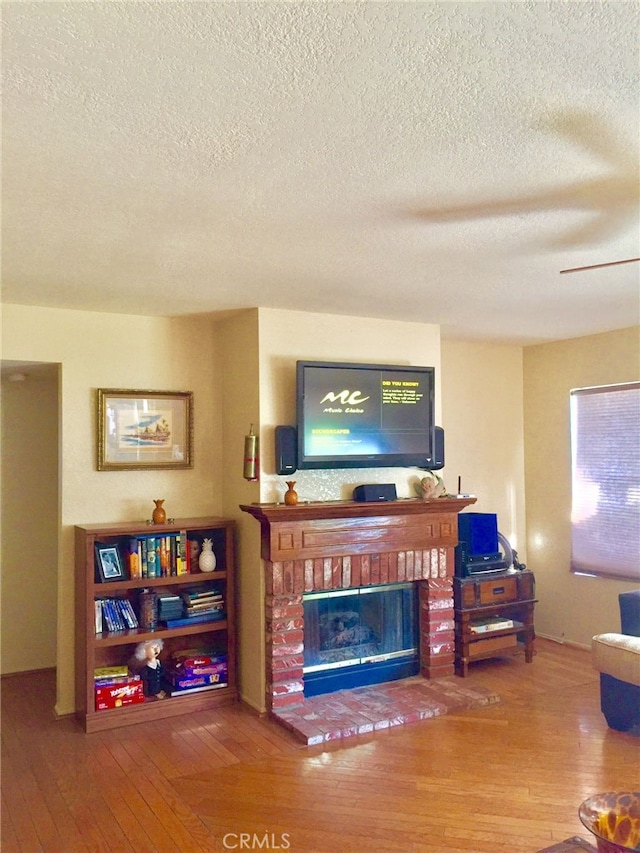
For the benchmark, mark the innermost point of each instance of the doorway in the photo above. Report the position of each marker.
(30, 515)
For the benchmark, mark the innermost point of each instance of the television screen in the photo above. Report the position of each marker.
(364, 415)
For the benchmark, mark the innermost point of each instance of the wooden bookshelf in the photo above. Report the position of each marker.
(110, 648)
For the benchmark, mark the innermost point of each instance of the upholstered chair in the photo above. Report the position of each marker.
(616, 656)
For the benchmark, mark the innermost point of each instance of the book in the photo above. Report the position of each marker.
(484, 626)
(110, 671)
(133, 559)
(193, 612)
(132, 613)
(201, 592)
(142, 556)
(183, 566)
(184, 621)
(115, 614)
(127, 612)
(164, 557)
(107, 619)
(205, 604)
(152, 569)
(173, 569)
(98, 616)
(189, 598)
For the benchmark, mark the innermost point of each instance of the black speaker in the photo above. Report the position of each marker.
(286, 449)
(462, 558)
(438, 449)
(375, 492)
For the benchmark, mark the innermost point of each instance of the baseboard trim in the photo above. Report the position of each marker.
(27, 672)
(561, 641)
(256, 712)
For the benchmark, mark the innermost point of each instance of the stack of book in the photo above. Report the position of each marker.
(194, 672)
(200, 604)
(170, 606)
(114, 614)
(116, 687)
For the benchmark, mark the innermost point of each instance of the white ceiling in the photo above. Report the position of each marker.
(437, 162)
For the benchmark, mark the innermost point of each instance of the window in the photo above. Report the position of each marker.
(605, 473)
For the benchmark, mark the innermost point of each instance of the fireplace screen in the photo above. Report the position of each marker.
(359, 626)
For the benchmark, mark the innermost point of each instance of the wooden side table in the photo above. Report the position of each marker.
(488, 597)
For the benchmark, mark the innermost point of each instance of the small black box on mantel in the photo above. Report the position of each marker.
(375, 492)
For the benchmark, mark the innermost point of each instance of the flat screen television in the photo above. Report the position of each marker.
(364, 415)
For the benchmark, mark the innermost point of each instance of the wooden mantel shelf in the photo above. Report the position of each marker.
(329, 528)
(353, 509)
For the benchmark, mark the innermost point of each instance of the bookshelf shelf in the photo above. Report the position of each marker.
(142, 583)
(121, 638)
(95, 649)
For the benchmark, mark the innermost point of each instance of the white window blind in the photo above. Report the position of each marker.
(605, 473)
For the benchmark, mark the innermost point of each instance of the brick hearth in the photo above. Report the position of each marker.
(364, 710)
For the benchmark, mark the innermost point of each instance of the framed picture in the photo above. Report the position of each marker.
(108, 564)
(144, 429)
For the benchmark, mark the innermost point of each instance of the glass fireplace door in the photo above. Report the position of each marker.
(364, 628)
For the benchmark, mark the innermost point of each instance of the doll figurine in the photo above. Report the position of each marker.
(150, 668)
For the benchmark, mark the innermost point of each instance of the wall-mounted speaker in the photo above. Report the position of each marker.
(286, 449)
(438, 448)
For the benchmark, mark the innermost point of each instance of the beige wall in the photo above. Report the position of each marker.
(482, 407)
(237, 342)
(30, 519)
(571, 607)
(116, 351)
(242, 370)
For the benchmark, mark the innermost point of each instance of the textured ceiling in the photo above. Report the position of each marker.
(438, 162)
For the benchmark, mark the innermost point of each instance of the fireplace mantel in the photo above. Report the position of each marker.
(333, 528)
(337, 545)
(354, 509)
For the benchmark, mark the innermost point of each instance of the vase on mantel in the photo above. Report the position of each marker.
(159, 515)
(291, 496)
(207, 559)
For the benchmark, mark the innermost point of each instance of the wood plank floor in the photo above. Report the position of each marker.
(507, 778)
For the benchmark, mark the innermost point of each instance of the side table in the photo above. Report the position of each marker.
(484, 597)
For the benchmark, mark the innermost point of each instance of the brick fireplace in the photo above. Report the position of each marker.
(344, 545)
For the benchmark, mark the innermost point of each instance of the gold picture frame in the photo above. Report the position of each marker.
(144, 429)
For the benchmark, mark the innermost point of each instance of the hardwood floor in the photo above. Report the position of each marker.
(506, 778)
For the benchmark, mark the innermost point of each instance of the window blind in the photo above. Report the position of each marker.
(605, 481)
